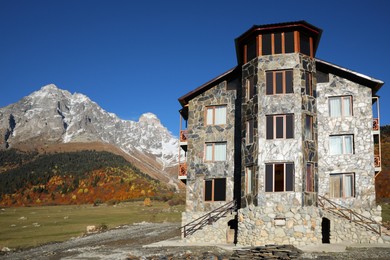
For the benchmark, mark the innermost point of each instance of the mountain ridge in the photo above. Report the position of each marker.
(53, 116)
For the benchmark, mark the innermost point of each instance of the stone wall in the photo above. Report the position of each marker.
(361, 162)
(198, 134)
(218, 232)
(279, 224)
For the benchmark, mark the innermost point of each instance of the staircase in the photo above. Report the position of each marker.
(352, 216)
(208, 218)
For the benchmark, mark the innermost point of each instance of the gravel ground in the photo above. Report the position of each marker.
(127, 242)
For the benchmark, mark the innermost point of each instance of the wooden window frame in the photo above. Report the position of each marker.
(213, 190)
(249, 186)
(343, 137)
(350, 97)
(214, 107)
(308, 83)
(250, 131)
(284, 81)
(213, 151)
(343, 178)
(275, 128)
(284, 177)
(310, 180)
(311, 130)
(250, 90)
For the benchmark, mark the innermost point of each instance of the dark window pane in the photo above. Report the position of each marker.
(269, 177)
(305, 44)
(290, 126)
(322, 77)
(270, 127)
(220, 189)
(251, 50)
(279, 82)
(277, 43)
(289, 42)
(208, 189)
(279, 177)
(279, 127)
(266, 44)
(308, 83)
(251, 88)
(250, 132)
(289, 177)
(289, 81)
(270, 83)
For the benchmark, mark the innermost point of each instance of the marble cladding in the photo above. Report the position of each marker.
(361, 162)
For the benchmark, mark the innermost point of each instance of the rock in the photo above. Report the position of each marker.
(92, 229)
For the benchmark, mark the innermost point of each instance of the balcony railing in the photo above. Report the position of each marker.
(375, 124)
(183, 135)
(183, 169)
(377, 161)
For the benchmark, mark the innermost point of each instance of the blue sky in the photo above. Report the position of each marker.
(133, 57)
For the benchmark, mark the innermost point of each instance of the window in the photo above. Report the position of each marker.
(215, 190)
(215, 152)
(249, 180)
(341, 144)
(340, 106)
(279, 177)
(279, 82)
(216, 115)
(280, 126)
(275, 43)
(309, 177)
(251, 50)
(249, 89)
(342, 185)
(308, 84)
(304, 44)
(249, 131)
(308, 127)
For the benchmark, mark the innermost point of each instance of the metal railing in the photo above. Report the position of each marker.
(208, 218)
(349, 214)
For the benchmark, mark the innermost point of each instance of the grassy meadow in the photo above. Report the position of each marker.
(24, 227)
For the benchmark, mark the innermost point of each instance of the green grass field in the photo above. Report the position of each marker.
(31, 226)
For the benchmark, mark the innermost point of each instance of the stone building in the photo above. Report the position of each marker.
(283, 148)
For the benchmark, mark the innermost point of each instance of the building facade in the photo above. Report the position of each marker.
(292, 140)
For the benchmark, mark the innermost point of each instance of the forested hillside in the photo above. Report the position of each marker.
(29, 178)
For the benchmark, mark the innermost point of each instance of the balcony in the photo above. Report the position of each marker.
(375, 124)
(377, 161)
(183, 170)
(183, 139)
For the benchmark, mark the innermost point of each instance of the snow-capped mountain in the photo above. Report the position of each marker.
(51, 115)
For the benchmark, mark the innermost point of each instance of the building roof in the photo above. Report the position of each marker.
(234, 72)
(374, 84)
(274, 27)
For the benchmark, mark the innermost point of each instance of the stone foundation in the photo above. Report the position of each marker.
(218, 232)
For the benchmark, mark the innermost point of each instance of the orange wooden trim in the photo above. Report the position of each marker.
(283, 43)
(272, 43)
(260, 45)
(297, 45)
(311, 47)
(245, 53)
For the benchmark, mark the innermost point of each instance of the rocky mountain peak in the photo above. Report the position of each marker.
(149, 118)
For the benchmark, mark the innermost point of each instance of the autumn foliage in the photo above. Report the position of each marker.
(74, 178)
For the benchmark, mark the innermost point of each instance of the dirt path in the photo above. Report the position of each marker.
(127, 243)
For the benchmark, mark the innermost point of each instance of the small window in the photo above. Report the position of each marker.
(249, 131)
(289, 42)
(279, 82)
(308, 84)
(342, 185)
(266, 44)
(215, 152)
(340, 106)
(309, 177)
(249, 180)
(308, 127)
(341, 144)
(305, 44)
(277, 43)
(216, 115)
(215, 189)
(280, 126)
(279, 177)
(251, 50)
(249, 89)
